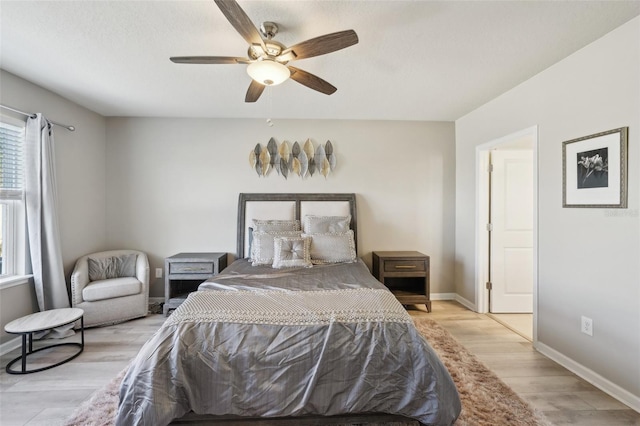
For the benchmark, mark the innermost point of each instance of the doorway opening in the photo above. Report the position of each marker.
(506, 230)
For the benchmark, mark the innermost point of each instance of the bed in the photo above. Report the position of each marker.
(326, 344)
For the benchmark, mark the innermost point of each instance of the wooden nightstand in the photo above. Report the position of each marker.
(406, 274)
(183, 273)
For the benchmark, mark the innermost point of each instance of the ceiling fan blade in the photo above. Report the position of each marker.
(209, 60)
(311, 81)
(324, 44)
(240, 21)
(254, 91)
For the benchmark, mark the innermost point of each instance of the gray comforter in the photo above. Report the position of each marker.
(261, 342)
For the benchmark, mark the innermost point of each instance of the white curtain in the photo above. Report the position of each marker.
(42, 215)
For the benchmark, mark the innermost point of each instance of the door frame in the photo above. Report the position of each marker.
(482, 218)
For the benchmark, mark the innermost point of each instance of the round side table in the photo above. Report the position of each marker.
(41, 321)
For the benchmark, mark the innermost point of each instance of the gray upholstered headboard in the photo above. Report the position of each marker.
(290, 206)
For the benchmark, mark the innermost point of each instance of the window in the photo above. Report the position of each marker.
(3, 233)
(12, 213)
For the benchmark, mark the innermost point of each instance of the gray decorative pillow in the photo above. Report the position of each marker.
(326, 224)
(262, 245)
(126, 265)
(102, 269)
(112, 267)
(292, 252)
(250, 251)
(332, 248)
(260, 225)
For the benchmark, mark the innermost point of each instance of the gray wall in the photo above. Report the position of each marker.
(173, 184)
(81, 171)
(588, 258)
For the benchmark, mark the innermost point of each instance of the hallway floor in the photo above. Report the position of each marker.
(520, 323)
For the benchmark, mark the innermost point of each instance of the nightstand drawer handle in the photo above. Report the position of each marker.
(405, 266)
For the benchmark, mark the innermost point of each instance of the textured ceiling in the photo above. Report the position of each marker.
(416, 60)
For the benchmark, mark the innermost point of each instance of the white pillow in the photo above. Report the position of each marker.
(332, 248)
(326, 224)
(262, 246)
(261, 225)
(292, 252)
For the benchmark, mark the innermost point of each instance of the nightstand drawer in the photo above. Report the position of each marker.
(404, 266)
(191, 268)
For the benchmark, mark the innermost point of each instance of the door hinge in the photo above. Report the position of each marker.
(490, 168)
(489, 285)
(489, 227)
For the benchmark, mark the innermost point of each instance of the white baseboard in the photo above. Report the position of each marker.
(466, 303)
(12, 344)
(442, 296)
(591, 376)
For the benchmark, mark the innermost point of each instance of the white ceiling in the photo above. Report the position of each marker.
(416, 60)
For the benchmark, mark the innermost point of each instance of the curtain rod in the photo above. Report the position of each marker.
(31, 115)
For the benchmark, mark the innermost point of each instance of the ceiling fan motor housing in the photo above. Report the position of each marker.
(273, 49)
(269, 29)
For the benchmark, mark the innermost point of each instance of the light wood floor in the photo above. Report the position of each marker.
(562, 396)
(49, 397)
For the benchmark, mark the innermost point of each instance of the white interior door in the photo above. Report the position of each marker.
(511, 253)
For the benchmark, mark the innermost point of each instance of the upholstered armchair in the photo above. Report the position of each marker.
(111, 286)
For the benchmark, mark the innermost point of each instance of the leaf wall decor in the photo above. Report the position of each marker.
(258, 167)
(284, 167)
(276, 164)
(295, 149)
(320, 155)
(331, 157)
(265, 162)
(295, 166)
(325, 168)
(328, 148)
(293, 159)
(308, 149)
(284, 151)
(310, 152)
(304, 164)
(272, 147)
(312, 166)
(332, 161)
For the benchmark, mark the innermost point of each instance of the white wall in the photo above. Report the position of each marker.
(81, 171)
(588, 258)
(173, 184)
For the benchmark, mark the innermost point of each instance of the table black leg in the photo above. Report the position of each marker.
(24, 351)
(82, 330)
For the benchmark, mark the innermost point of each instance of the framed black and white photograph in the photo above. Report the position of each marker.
(594, 170)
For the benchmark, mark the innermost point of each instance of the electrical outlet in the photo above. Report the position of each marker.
(587, 326)
(158, 272)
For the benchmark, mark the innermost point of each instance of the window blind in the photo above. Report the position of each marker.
(11, 162)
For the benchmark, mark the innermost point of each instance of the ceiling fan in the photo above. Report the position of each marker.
(268, 60)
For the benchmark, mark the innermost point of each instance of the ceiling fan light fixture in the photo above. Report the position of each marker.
(268, 72)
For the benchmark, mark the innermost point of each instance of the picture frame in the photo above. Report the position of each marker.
(594, 170)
